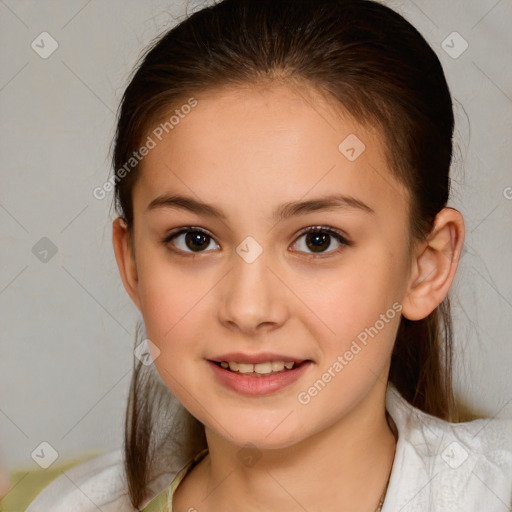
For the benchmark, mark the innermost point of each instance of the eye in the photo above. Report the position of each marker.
(319, 238)
(191, 238)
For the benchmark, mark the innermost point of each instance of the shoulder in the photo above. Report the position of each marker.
(449, 466)
(487, 435)
(96, 484)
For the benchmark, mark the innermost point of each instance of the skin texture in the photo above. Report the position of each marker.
(247, 150)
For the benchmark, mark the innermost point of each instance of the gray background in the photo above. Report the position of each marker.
(67, 325)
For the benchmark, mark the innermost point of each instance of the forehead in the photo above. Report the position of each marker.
(253, 145)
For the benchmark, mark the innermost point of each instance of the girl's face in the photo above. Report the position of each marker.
(240, 282)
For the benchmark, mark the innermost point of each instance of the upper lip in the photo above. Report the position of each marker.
(261, 357)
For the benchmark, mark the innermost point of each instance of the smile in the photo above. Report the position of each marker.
(265, 368)
(256, 379)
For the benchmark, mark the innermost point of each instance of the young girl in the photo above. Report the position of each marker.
(282, 179)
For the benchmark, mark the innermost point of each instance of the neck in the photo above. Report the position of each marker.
(344, 467)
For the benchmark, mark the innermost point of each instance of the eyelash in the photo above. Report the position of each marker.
(315, 229)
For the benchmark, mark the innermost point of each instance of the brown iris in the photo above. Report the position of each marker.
(319, 241)
(197, 240)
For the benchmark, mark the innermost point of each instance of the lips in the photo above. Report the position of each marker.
(258, 374)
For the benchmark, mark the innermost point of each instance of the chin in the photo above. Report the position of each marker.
(271, 431)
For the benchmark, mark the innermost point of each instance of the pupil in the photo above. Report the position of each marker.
(197, 239)
(317, 239)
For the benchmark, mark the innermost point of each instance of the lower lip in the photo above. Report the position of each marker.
(258, 385)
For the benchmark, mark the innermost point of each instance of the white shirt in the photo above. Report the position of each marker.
(438, 467)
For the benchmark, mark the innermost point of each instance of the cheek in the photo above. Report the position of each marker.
(172, 317)
(361, 312)
(169, 298)
(353, 298)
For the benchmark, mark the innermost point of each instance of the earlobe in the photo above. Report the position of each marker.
(435, 263)
(125, 258)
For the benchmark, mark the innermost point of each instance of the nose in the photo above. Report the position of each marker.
(254, 298)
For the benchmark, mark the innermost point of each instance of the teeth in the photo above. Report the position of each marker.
(261, 368)
(244, 367)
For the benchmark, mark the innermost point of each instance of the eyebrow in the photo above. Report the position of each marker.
(282, 212)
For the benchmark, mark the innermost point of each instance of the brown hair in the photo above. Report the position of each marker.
(380, 69)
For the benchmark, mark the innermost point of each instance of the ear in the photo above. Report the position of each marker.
(125, 257)
(434, 265)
